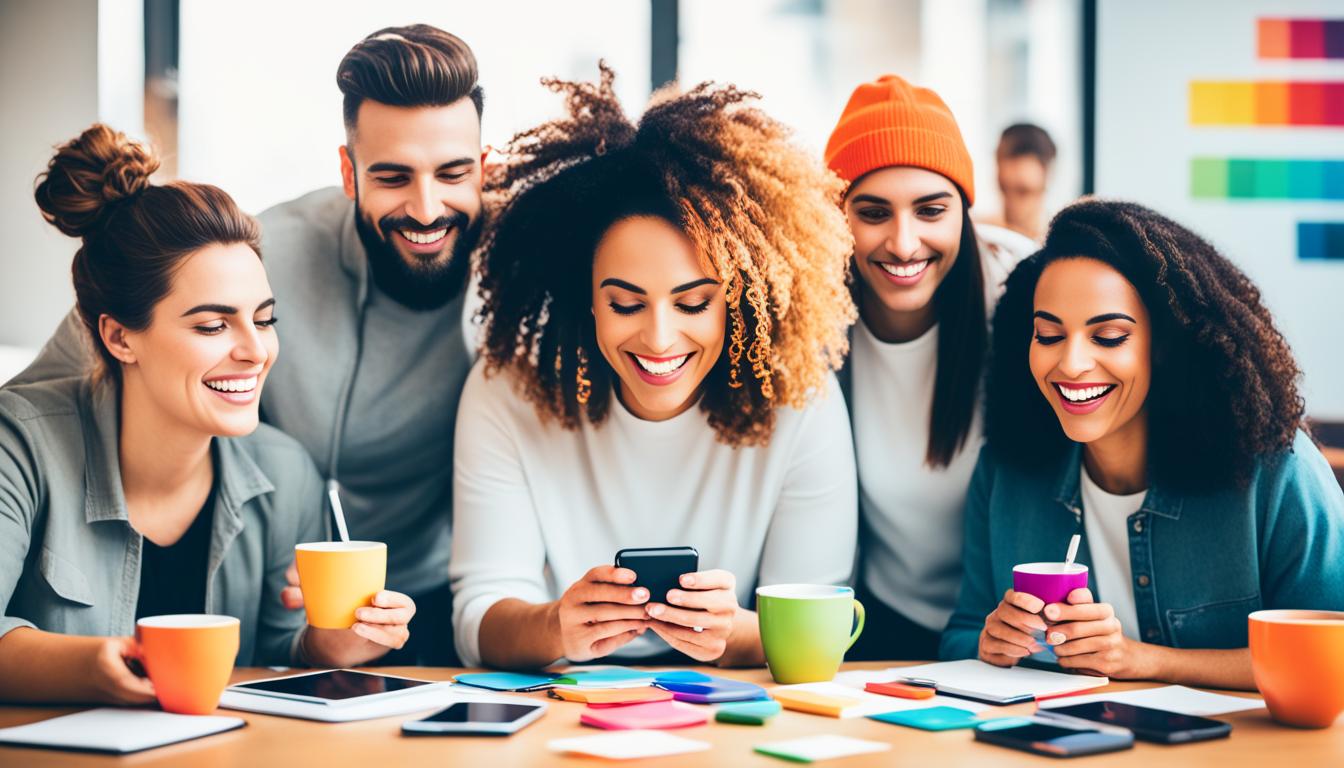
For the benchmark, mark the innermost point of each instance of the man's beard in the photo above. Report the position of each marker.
(423, 284)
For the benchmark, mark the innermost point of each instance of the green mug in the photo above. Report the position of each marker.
(805, 629)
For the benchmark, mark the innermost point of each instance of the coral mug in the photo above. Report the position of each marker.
(1297, 658)
(189, 658)
(339, 576)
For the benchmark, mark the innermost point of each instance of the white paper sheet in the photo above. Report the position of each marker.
(973, 675)
(876, 703)
(117, 730)
(627, 745)
(1172, 698)
(813, 748)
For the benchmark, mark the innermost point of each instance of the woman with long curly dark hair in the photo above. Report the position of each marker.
(1140, 395)
(663, 305)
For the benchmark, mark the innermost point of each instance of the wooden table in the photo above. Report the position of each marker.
(276, 741)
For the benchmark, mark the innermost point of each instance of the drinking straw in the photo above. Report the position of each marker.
(335, 498)
(1068, 560)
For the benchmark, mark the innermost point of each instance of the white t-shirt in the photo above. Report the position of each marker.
(1106, 523)
(912, 560)
(536, 505)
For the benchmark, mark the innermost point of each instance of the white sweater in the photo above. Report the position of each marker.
(913, 514)
(536, 506)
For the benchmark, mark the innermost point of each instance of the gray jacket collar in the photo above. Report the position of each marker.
(354, 259)
(239, 480)
(1157, 501)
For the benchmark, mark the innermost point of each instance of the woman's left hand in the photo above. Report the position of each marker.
(1089, 639)
(707, 600)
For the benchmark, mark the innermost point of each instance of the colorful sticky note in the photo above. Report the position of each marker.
(815, 703)
(1272, 39)
(1320, 240)
(813, 748)
(1208, 177)
(657, 715)
(627, 745)
(901, 690)
(598, 697)
(747, 713)
(1306, 38)
(681, 676)
(505, 681)
(931, 718)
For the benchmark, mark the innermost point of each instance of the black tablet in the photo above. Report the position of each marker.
(334, 686)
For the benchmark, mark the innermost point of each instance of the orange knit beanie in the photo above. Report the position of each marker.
(890, 122)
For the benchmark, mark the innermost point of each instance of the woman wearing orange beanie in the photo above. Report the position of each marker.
(926, 280)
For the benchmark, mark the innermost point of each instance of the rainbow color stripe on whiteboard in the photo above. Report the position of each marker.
(1320, 240)
(1267, 102)
(1300, 38)
(1222, 178)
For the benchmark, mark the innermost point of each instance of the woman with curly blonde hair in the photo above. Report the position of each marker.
(664, 303)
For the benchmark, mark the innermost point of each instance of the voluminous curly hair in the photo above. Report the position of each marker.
(1224, 382)
(762, 214)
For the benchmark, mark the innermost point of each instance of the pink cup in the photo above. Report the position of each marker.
(1051, 582)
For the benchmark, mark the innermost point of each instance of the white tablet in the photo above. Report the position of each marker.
(333, 687)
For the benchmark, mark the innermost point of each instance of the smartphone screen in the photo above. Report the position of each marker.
(480, 712)
(660, 569)
(336, 685)
(1039, 732)
(1139, 719)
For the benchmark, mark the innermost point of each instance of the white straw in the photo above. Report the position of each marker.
(1073, 549)
(335, 499)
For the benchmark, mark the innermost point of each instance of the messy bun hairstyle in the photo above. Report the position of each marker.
(135, 234)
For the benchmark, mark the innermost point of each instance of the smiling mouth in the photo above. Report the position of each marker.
(660, 366)
(424, 239)
(905, 269)
(233, 386)
(1083, 395)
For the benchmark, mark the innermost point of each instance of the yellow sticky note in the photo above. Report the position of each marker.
(1222, 103)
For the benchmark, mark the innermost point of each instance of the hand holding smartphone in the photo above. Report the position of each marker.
(659, 569)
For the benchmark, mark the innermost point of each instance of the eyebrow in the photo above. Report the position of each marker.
(399, 168)
(225, 309)
(617, 282)
(1106, 318)
(929, 198)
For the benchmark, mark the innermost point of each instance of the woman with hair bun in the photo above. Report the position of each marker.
(663, 303)
(148, 487)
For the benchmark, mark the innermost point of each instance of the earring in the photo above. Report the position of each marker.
(585, 387)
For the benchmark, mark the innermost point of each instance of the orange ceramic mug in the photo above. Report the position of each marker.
(1297, 658)
(189, 658)
(338, 577)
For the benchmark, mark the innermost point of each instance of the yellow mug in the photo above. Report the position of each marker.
(189, 658)
(339, 576)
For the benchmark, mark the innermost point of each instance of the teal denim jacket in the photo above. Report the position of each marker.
(1200, 563)
(69, 558)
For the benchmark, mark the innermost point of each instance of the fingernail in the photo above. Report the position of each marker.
(361, 613)
(655, 610)
(626, 575)
(1056, 638)
(674, 596)
(1051, 612)
(641, 594)
(688, 580)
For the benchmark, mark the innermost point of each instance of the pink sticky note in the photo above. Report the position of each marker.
(658, 714)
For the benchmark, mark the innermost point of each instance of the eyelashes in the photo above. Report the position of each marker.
(211, 330)
(630, 309)
(1108, 342)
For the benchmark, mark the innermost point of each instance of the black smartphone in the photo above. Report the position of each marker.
(477, 719)
(659, 569)
(1053, 739)
(1147, 724)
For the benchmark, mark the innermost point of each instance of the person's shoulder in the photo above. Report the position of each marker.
(1001, 249)
(278, 455)
(43, 399)
(825, 406)
(312, 222)
(1302, 465)
(496, 394)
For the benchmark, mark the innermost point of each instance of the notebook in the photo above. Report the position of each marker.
(118, 731)
(977, 681)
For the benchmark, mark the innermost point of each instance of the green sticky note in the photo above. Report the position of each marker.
(931, 718)
(1241, 178)
(1272, 179)
(747, 713)
(1208, 177)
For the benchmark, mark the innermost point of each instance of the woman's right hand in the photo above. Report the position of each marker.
(111, 675)
(1006, 638)
(600, 613)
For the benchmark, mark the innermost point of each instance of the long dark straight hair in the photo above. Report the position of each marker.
(963, 339)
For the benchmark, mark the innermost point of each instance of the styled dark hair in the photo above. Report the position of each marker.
(1224, 382)
(1026, 139)
(761, 212)
(963, 331)
(414, 66)
(135, 234)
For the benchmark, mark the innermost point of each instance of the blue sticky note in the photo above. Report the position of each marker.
(505, 681)
(599, 677)
(681, 676)
(931, 718)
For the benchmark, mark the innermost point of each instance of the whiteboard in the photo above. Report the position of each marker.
(1148, 53)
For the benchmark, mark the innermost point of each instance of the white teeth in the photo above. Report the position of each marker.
(905, 270)
(233, 385)
(661, 368)
(1086, 393)
(423, 238)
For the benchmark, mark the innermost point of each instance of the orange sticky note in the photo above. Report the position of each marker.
(1273, 39)
(1271, 103)
(901, 690)
(612, 696)
(813, 703)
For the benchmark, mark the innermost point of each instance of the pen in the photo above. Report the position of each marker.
(921, 682)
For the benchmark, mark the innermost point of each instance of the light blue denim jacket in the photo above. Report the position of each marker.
(69, 558)
(1200, 562)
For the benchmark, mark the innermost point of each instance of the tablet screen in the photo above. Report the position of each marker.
(336, 685)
